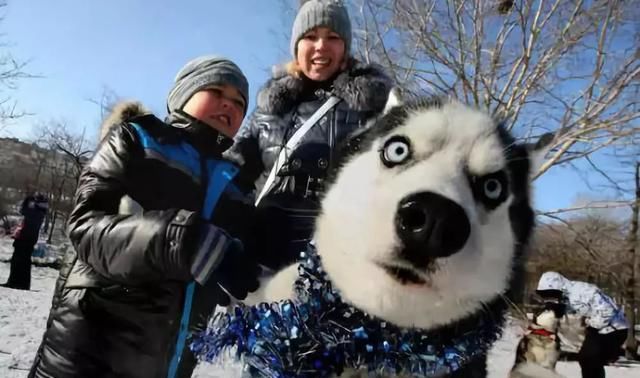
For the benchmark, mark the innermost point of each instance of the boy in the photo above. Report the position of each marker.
(139, 282)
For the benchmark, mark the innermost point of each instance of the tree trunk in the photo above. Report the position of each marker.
(631, 345)
(55, 205)
(53, 226)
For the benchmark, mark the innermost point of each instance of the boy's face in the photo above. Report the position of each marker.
(220, 106)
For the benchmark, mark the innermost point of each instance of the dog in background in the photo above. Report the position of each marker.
(539, 349)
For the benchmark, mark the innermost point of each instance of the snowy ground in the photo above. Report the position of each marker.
(23, 315)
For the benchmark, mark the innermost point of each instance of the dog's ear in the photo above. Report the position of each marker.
(354, 140)
(538, 150)
(394, 100)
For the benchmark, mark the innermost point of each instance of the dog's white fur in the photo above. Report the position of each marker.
(364, 199)
(356, 228)
(547, 320)
(529, 370)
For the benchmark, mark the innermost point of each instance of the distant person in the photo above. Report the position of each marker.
(33, 209)
(606, 324)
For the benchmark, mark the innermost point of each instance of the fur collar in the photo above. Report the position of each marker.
(198, 134)
(120, 113)
(363, 87)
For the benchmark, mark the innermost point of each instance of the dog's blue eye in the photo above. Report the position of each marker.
(395, 151)
(490, 189)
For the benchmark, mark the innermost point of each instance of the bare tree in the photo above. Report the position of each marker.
(41, 156)
(108, 99)
(11, 72)
(577, 245)
(569, 66)
(66, 153)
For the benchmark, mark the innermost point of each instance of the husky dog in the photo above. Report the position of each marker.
(426, 221)
(540, 346)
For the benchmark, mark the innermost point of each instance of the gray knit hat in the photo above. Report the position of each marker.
(201, 73)
(329, 13)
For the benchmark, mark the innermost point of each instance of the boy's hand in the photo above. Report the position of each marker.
(238, 272)
(222, 260)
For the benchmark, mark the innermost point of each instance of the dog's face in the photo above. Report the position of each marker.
(420, 226)
(548, 319)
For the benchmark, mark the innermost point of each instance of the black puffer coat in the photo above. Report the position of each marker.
(34, 209)
(119, 299)
(284, 104)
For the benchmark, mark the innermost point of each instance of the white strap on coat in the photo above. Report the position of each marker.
(293, 142)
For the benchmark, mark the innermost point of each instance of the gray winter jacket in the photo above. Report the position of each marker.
(286, 102)
(285, 220)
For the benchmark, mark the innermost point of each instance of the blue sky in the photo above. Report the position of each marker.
(135, 47)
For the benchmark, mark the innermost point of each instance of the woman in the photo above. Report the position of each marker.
(34, 210)
(322, 67)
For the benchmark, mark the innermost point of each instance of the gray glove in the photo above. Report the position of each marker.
(221, 260)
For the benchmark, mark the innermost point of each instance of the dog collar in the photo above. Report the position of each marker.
(319, 335)
(541, 332)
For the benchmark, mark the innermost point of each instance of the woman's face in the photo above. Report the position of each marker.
(220, 106)
(321, 54)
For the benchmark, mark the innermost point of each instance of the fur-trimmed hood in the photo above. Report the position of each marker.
(553, 281)
(363, 87)
(197, 133)
(122, 112)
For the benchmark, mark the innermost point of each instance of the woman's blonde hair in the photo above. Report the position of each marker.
(293, 68)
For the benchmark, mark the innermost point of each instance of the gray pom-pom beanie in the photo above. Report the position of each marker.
(203, 72)
(314, 13)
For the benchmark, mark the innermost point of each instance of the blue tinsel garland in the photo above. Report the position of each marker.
(319, 335)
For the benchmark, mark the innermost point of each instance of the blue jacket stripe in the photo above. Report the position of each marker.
(221, 175)
(184, 329)
(180, 156)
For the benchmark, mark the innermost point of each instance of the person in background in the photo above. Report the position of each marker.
(34, 210)
(606, 324)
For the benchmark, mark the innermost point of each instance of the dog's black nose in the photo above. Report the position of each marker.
(431, 226)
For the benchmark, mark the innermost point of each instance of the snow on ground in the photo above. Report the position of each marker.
(23, 315)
